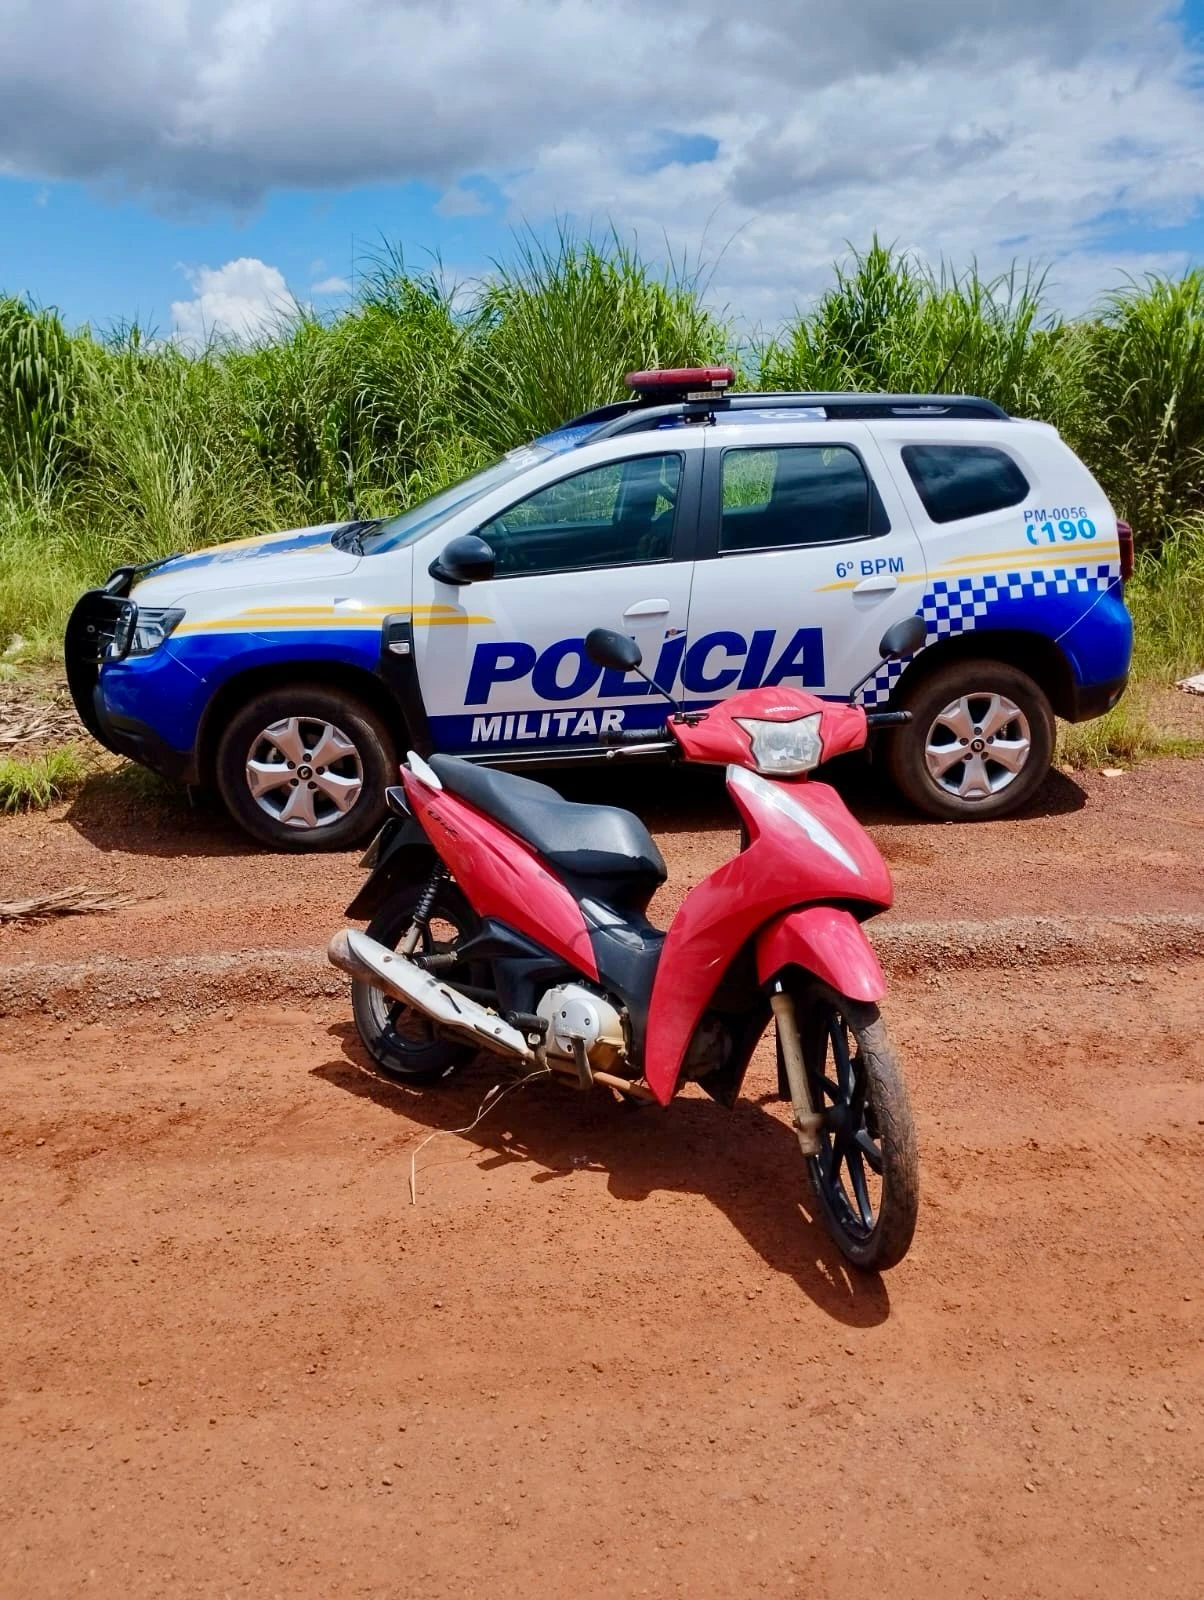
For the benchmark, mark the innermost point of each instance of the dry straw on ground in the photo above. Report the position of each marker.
(74, 902)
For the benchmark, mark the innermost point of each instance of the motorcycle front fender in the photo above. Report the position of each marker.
(828, 942)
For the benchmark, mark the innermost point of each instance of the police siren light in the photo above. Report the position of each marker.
(664, 385)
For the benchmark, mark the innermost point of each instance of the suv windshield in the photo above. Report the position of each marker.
(419, 519)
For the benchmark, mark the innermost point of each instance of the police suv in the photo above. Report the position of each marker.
(742, 539)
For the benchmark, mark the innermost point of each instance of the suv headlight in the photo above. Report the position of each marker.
(785, 748)
(142, 629)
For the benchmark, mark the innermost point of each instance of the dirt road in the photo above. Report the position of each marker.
(607, 1352)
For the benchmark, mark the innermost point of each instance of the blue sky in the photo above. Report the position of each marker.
(192, 165)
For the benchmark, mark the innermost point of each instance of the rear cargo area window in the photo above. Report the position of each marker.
(963, 480)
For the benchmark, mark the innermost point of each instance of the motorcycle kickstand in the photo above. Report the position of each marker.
(585, 1076)
(807, 1120)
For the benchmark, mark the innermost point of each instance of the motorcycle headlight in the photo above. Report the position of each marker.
(142, 629)
(785, 748)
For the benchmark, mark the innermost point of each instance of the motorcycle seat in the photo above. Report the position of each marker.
(581, 841)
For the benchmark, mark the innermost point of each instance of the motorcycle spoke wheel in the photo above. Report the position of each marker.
(402, 1043)
(850, 1159)
(865, 1177)
(410, 1027)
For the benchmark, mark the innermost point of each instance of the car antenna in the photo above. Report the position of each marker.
(953, 355)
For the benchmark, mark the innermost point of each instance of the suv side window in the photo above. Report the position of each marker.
(963, 480)
(617, 515)
(790, 495)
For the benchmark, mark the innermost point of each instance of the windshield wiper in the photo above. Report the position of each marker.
(352, 536)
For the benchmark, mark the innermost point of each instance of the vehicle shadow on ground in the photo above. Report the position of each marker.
(131, 811)
(746, 1162)
(692, 799)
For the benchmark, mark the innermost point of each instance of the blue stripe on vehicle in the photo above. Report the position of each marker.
(169, 689)
(541, 726)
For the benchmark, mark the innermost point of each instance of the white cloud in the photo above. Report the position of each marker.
(461, 201)
(1002, 128)
(334, 285)
(243, 300)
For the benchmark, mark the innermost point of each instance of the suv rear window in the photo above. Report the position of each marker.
(963, 480)
(790, 495)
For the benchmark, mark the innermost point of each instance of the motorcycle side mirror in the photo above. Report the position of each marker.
(903, 639)
(606, 648)
(618, 652)
(467, 559)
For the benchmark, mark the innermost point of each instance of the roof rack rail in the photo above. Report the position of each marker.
(634, 418)
(616, 408)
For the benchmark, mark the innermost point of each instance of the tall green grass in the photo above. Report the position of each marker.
(118, 447)
(890, 324)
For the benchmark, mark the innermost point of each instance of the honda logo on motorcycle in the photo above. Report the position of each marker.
(710, 665)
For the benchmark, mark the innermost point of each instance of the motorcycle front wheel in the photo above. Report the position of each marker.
(866, 1177)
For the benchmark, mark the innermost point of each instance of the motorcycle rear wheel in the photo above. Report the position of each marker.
(866, 1177)
(403, 1044)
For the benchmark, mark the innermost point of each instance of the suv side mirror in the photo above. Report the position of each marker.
(467, 559)
(606, 648)
(903, 639)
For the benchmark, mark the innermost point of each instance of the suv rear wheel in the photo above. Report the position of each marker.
(306, 768)
(979, 743)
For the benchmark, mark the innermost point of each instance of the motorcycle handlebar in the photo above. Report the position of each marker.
(886, 719)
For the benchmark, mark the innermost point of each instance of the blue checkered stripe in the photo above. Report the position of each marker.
(954, 605)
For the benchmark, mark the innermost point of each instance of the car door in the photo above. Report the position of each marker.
(806, 557)
(609, 543)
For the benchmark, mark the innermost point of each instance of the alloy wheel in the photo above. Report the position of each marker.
(977, 746)
(304, 772)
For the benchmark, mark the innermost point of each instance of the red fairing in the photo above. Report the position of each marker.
(827, 941)
(719, 739)
(501, 875)
(804, 846)
(843, 730)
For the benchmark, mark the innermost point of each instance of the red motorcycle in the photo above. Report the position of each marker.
(508, 919)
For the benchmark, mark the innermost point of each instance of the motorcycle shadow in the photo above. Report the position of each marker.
(745, 1162)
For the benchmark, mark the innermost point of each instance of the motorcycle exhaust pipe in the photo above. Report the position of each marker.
(368, 961)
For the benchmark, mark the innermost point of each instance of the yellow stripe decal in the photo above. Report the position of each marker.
(314, 624)
(344, 608)
(443, 622)
(1039, 553)
(1027, 563)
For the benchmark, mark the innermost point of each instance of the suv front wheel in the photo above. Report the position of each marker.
(306, 768)
(979, 743)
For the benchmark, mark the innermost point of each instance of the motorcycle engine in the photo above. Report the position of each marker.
(573, 1012)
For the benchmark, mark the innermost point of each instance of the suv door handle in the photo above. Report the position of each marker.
(882, 584)
(646, 608)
